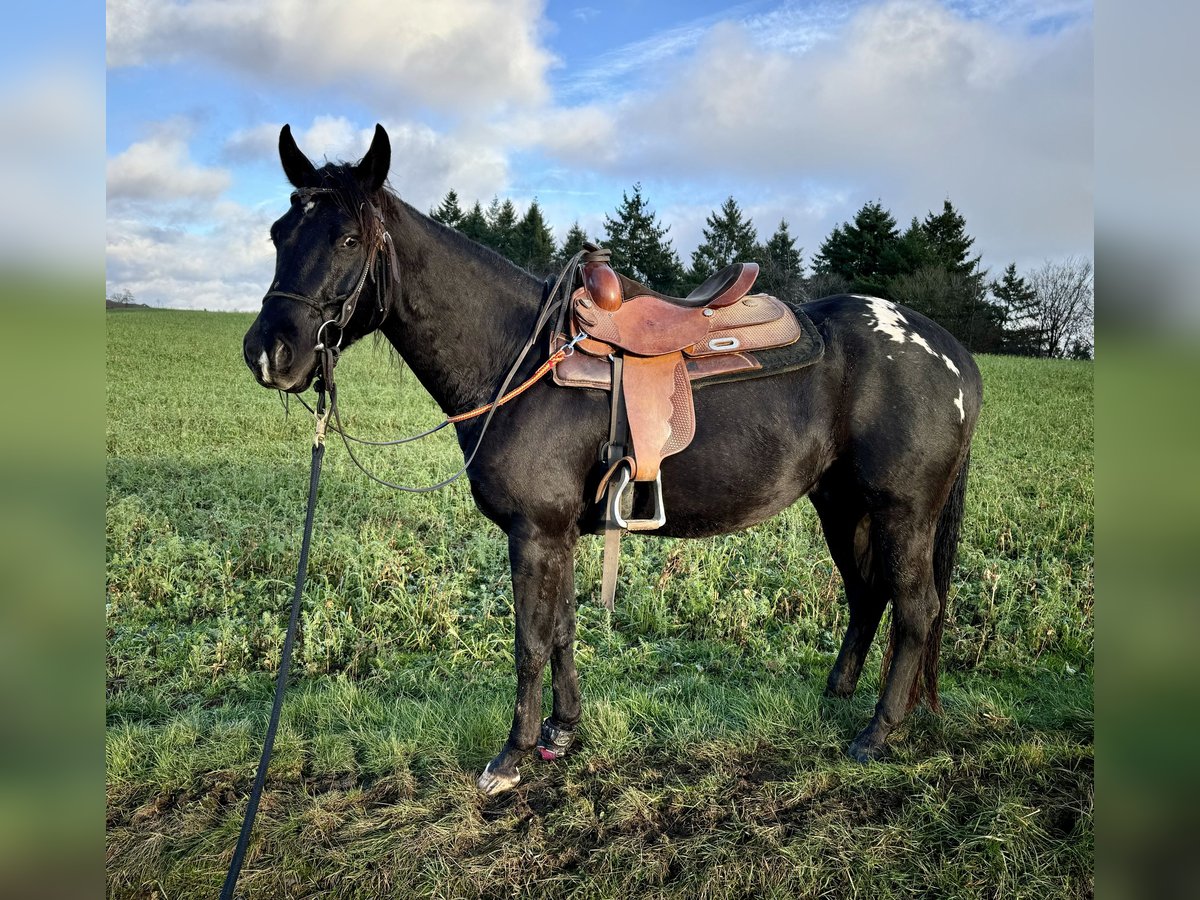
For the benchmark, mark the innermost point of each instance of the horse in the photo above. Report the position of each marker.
(877, 435)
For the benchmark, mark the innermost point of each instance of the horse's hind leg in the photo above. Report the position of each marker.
(558, 731)
(539, 561)
(847, 532)
(903, 568)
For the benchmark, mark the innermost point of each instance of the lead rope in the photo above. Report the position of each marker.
(285, 656)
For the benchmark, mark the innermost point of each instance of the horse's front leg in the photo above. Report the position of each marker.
(539, 563)
(558, 731)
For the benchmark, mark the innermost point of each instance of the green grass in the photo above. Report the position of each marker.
(709, 765)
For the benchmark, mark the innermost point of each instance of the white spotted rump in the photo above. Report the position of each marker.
(962, 413)
(888, 319)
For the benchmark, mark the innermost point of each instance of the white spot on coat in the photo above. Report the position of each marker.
(950, 365)
(888, 319)
(921, 342)
(309, 205)
(263, 363)
(962, 413)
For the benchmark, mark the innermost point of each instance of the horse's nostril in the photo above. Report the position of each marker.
(283, 356)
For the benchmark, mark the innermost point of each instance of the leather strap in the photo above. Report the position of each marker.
(658, 403)
(612, 454)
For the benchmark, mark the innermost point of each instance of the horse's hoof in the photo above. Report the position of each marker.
(865, 749)
(554, 742)
(495, 781)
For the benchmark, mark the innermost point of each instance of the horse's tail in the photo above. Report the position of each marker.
(945, 548)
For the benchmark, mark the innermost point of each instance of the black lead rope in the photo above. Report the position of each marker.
(285, 658)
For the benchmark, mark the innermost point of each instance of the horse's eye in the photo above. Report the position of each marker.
(349, 241)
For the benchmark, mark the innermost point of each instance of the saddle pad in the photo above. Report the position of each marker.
(705, 367)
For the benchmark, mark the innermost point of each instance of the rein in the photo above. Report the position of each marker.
(327, 405)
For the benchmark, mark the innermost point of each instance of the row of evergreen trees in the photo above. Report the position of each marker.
(929, 267)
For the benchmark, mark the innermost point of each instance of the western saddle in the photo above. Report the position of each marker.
(647, 348)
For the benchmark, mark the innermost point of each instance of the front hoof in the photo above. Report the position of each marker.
(554, 742)
(867, 747)
(496, 780)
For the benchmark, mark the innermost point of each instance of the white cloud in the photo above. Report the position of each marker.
(454, 54)
(225, 265)
(425, 163)
(173, 241)
(908, 102)
(159, 169)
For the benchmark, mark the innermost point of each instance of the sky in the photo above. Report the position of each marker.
(801, 111)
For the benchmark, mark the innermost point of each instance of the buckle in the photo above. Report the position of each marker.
(624, 481)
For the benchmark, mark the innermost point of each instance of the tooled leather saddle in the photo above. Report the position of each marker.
(647, 349)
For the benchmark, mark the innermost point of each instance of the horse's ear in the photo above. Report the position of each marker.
(296, 166)
(373, 169)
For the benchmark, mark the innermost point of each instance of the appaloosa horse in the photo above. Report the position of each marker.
(877, 434)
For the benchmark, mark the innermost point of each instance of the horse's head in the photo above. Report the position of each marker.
(333, 256)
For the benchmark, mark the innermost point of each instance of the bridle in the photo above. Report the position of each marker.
(379, 247)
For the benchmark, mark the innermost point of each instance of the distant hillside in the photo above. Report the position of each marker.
(110, 303)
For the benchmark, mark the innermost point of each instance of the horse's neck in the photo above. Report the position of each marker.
(459, 317)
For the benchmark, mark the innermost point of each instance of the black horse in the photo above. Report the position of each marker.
(877, 435)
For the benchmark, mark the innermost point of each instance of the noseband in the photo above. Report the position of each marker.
(381, 241)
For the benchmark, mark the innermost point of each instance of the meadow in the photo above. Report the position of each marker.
(709, 764)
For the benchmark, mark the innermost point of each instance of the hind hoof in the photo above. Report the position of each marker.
(554, 742)
(495, 780)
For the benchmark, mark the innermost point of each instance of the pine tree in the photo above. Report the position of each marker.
(474, 225)
(502, 227)
(964, 310)
(1016, 303)
(948, 243)
(867, 252)
(534, 241)
(639, 245)
(782, 272)
(728, 238)
(914, 248)
(572, 244)
(449, 213)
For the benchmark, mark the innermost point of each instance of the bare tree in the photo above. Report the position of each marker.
(1064, 307)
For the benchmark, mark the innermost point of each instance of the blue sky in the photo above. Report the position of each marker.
(802, 111)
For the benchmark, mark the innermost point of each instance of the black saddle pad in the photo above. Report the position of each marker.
(806, 350)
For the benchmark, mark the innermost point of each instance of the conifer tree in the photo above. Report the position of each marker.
(502, 227)
(640, 246)
(474, 225)
(865, 252)
(949, 245)
(782, 272)
(534, 241)
(1016, 303)
(572, 244)
(729, 237)
(449, 212)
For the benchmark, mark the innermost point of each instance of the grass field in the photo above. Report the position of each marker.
(709, 765)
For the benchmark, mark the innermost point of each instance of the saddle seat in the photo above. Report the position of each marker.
(652, 347)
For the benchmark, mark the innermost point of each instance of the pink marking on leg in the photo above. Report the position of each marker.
(546, 754)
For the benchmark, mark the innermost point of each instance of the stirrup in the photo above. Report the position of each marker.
(623, 484)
